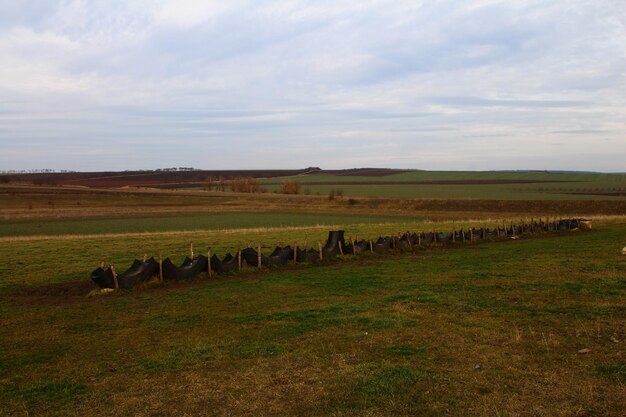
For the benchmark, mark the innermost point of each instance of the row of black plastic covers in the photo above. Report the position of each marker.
(141, 271)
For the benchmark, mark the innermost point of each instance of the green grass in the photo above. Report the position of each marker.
(68, 258)
(553, 189)
(182, 222)
(399, 335)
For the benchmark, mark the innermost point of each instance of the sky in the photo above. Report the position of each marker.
(94, 85)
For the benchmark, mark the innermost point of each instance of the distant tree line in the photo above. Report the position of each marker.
(35, 171)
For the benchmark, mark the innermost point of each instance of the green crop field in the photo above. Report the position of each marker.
(512, 328)
(468, 185)
(187, 222)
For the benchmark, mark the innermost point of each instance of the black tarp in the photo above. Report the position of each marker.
(362, 246)
(280, 256)
(491, 233)
(403, 244)
(443, 237)
(103, 278)
(426, 238)
(331, 249)
(356, 247)
(141, 271)
(308, 255)
(190, 268)
(138, 272)
(226, 265)
(383, 244)
(251, 256)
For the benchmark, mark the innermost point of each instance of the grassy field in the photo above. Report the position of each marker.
(188, 222)
(534, 327)
(549, 186)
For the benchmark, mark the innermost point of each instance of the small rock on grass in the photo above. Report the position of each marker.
(584, 351)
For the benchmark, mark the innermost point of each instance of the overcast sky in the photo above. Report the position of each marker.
(450, 85)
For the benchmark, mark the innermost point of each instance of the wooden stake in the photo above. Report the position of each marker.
(258, 256)
(208, 255)
(419, 239)
(434, 237)
(371, 246)
(116, 285)
(463, 235)
(239, 260)
(191, 250)
(160, 267)
(295, 252)
(340, 248)
(353, 247)
(471, 235)
(454, 235)
(319, 245)
(145, 257)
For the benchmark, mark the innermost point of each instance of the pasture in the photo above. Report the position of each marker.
(528, 327)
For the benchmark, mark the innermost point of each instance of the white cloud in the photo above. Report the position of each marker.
(398, 81)
(185, 13)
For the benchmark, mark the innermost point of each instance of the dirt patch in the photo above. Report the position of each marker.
(53, 294)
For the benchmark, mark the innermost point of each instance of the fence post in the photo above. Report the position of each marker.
(239, 260)
(258, 256)
(353, 247)
(191, 249)
(295, 252)
(209, 272)
(160, 267)
(371, 246)
(116, 285)
(340, 248)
